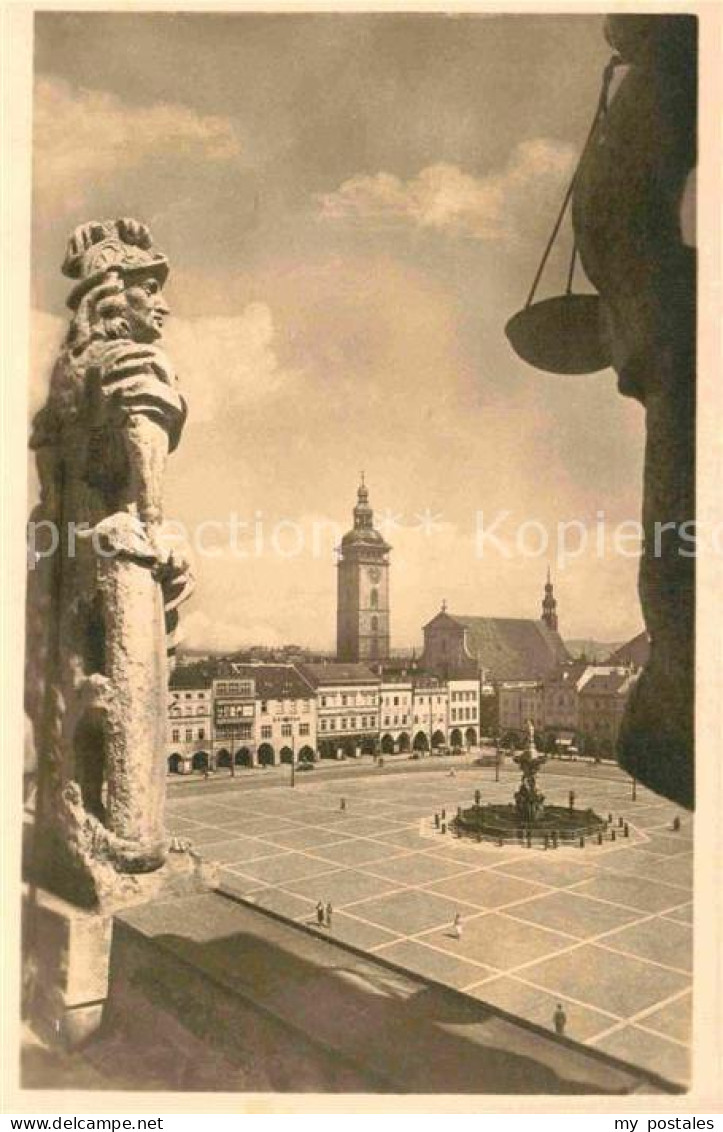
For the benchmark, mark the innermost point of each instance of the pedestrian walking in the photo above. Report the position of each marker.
(342, 804)
(329, 911)
(559, 1019)
(457, 926)
(676, 824)
(320, 915)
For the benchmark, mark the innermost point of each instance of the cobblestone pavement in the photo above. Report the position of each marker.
(605, 930)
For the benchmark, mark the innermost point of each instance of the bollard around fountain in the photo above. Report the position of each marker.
(621, 822)
(613, 835)
(582, 840)
(600, 838)
(444, 827)
(626, 830)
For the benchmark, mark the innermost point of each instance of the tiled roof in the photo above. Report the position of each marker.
(513, 648)
(191, 676)
(606, 683)
(275, 681)
(636, 651)
(338, 673)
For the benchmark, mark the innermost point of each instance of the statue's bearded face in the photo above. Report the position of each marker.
(146, 309)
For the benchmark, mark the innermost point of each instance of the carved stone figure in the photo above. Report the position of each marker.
(628, 211)
(529, 801)
(102, 606)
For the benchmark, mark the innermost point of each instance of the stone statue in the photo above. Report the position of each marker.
(529, 802)
(102, 608)
(630, 224)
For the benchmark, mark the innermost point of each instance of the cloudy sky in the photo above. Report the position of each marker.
(353, 207)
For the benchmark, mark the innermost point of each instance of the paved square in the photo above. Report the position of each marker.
(433, 963)
(668, 944)
(499, 941)
(342, 887)
(409, 911)
(620, 984)
(528, 1001)
(487, 889)
(574, 914)
(606, 930)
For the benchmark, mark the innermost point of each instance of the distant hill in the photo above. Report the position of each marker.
(597, 651)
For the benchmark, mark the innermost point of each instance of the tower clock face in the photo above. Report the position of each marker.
(374, 574)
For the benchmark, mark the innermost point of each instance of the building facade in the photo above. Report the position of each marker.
(190, 723)
(362, 633)
(395, 708)
(347, 708)
(578, 703)
(260, 714)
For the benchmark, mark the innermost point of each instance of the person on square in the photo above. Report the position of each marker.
(457, 926)
(329, 911)
(320, 915)
(559, 1019)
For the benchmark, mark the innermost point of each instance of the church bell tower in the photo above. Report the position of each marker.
(362, 619)
(549, 605)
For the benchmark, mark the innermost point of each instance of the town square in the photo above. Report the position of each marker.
(605, 930)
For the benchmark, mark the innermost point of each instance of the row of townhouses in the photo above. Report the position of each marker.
(577, 703)
(265, 714)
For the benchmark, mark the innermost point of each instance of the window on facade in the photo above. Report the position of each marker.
(266, 732)
(264, 707)
(286, 730)
(344, 700)
(374, 599)
(332, 725)
(303, 729)
(201, 733)
(176, 735)
(189, 734)
(322, 725)
(353, 724)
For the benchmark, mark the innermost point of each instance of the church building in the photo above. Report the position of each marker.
(362, 631)
(500, 648)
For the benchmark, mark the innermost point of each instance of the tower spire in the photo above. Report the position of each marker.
(549, 605)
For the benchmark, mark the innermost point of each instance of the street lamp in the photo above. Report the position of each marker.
(290, 720)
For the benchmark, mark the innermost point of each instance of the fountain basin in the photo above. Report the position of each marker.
(502, 822)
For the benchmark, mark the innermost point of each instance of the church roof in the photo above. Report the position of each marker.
(509, 648)
(636, 651)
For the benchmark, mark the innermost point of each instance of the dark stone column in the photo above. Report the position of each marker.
(627, 218)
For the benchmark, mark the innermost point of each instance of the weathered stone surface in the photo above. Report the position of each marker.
(100, 607)
(627, 217)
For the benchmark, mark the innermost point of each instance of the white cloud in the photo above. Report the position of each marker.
(220, 361)
(445, 198)
(82, 137)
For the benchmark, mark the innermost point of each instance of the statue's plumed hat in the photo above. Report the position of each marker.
(101, 246)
